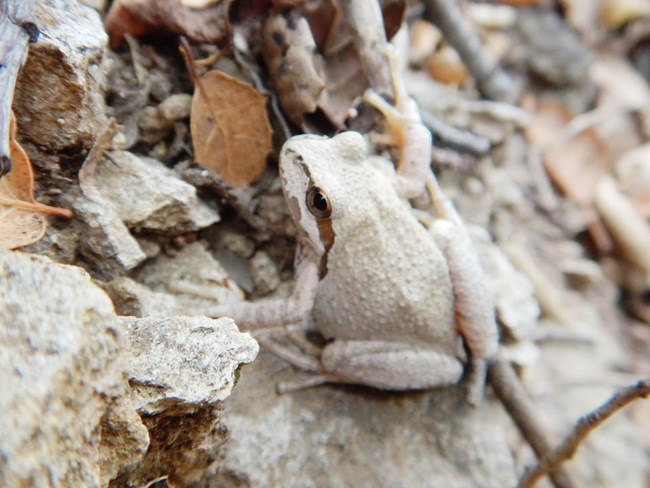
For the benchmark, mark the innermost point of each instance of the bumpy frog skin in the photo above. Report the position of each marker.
(385, 296)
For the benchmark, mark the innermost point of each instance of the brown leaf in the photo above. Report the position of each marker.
(138, 17)
(231, 133)
(576, 164)
(22, 219)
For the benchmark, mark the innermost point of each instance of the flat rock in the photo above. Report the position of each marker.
(193, 276)
(59, 98)
(62, 379)
(150, 197)
(339, 436)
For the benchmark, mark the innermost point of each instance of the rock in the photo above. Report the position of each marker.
(70, 418)
(339, 436)
(134, 299)
(62, 379)
(193, 276)
(181, 369)
(59, 99)
(264, 272)
(150, 197)
(107, 243)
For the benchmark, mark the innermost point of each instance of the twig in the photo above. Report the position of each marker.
(88, 168)
(16, 32)
(545, 291)
(585, 425)
(367, 24)
(492, 81)
(460, 139)
(515, 400)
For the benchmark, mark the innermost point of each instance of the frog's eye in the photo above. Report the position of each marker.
(318, 203)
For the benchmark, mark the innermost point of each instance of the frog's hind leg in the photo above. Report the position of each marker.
(389, 365)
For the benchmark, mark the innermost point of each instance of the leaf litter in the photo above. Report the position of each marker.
(22, 218)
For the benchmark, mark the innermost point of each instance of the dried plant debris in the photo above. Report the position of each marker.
(200, 21)
(231, 133)
(22, 218)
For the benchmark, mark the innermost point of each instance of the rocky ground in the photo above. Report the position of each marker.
(113, 376)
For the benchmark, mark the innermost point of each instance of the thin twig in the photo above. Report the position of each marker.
(515, 400)
(584, 426)
(460, 139)
(492, 81)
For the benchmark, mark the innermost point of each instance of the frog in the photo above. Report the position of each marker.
(400, 306)
(401, 303)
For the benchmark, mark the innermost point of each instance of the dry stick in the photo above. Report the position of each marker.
(17, 30)
(367, 24)
(460, 139)
(492, 81)
(521, 409)
(567, 449)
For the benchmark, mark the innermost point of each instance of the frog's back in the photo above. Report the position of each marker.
(388, 282)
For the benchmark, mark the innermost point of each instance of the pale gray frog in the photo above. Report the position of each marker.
(394, 300)
(398, 304)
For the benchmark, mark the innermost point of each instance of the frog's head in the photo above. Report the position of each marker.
(317, 174)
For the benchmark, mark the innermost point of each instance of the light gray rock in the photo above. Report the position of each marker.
(181, 369)
(59, 99)
(61, 379)
(340, 436)
(106, 243)
(193, 276)
(150, 197)
(264, 272)
(134, 299)
(189, 360)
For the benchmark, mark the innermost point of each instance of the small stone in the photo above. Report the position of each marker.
(193, 276)
(264, 273)
(239, 244)
(150, 197)
(133, 299)
(106, 242)
(176, 107)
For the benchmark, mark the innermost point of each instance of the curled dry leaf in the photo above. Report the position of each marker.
(231, 133)
(22, 219)
(140, 17)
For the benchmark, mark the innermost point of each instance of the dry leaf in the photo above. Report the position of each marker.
(140, 17)
(22, 219)
(576, 164)
(231, 133)
(293, 63)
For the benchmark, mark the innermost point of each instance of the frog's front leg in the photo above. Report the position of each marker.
(389, 365)
(275, 312)
(473, 298)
